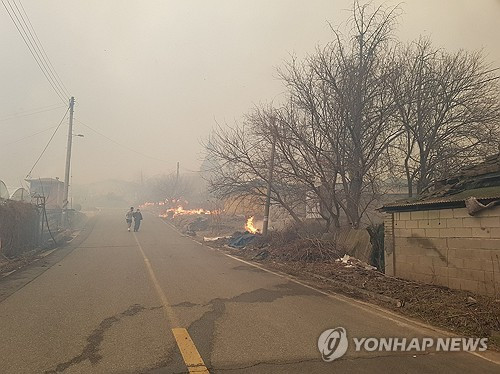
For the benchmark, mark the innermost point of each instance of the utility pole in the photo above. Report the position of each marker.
(265, 224)
(177, 175)
(64, 221)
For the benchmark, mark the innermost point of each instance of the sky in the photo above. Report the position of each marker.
(154, 77)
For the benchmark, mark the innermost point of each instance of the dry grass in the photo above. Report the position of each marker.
(18, 224)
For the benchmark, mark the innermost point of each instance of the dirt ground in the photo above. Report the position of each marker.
(7, 265)
(315, 262)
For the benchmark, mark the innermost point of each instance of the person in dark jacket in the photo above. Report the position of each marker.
(137, 220)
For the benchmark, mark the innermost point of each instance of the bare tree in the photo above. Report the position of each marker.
(241, 155)
(344, 91)
(358, 110)
(449, 106)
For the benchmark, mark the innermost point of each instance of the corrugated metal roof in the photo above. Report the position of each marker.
(436, 201)
(481, 181)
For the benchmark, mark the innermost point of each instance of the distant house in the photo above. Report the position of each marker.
(450, 235)
(50, 188)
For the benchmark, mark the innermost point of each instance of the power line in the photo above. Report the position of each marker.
(31, 48)
(52, 137)
(120, 144)
(38, 47)
(26, 137)
(43, 53)
(35, 46)
(32, 112)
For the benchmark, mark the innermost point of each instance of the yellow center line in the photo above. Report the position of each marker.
(190, 354)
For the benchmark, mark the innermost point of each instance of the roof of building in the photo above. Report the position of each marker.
(481, 181)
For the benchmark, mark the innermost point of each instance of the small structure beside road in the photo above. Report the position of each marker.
(51, 189)
(450, 235)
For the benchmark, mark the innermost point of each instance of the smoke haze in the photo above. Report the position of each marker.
(155, 76)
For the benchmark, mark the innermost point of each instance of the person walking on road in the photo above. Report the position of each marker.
(137, 219)
(128, 217)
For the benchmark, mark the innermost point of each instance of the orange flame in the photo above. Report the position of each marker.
(179, 211)
(250, 227)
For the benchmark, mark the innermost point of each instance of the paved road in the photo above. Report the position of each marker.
(158, 302)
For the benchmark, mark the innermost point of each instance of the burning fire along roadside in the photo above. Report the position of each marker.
(333, 344)
(179, 211)
(249, 226)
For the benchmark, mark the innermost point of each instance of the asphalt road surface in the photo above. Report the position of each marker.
(158, 302)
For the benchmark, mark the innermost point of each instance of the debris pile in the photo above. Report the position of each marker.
(237, 240)
(352, 262)
(306, 250)
(241, 239)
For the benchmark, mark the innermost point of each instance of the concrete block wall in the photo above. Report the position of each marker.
(446, 247)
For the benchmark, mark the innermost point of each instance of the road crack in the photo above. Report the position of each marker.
(203, 329)
(311, 359)
(91, 350)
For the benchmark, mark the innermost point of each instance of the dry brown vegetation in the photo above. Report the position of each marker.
(18, 227)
